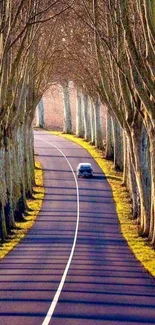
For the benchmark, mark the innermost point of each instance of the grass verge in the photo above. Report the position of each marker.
(35, 206)
(139, 246)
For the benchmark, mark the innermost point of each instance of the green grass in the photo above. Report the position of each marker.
(139, 246)
(35, 206)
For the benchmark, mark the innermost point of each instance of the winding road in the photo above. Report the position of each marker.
(74, 267)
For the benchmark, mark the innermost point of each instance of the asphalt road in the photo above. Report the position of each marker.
(74, 267)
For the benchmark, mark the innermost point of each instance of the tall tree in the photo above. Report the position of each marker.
(40, 114)
(67, 109)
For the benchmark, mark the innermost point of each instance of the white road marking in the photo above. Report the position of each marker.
(62, 281)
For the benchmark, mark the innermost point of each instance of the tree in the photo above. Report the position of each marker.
(127, 87)
(67, 110)
(79, 115)
(24, 74)
(109, 150)
(40, 114)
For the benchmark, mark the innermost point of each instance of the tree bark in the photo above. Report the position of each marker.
(109, 150)
(129, 179)
(29, 158)
(3, 230)
(3, 195)
(118, 144)
(40, 114)
(140, 148)
(67, 109)
(98, 129)
(79, 115)
(86, 115)
(9, 172)
(92, 121)
(152, 164)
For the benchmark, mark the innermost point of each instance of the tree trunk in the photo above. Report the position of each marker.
(40, 114)
(133, 188)
(139, 145)
(9, 172)
(109, 150)
(92, 121)
(118, 144)
(3, 194)
(67, 128)
(125, 160)
(3, 230)
(20, 174)
(79, 116)
(129, 179)
(98, 129)
(86, 115)
(152, 163)
(28, 158)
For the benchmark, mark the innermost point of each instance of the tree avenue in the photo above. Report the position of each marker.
(107, 49)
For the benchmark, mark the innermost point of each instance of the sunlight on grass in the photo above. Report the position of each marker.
(35, 206)
(141, 248)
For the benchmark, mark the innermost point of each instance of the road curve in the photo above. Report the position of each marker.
(104, 283)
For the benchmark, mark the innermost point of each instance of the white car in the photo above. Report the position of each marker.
(84, 170)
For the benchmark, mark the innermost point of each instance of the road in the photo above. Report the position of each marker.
(74, 267)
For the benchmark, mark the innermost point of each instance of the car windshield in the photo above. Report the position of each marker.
(85, 167)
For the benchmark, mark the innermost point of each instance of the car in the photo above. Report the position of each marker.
(84, 170)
